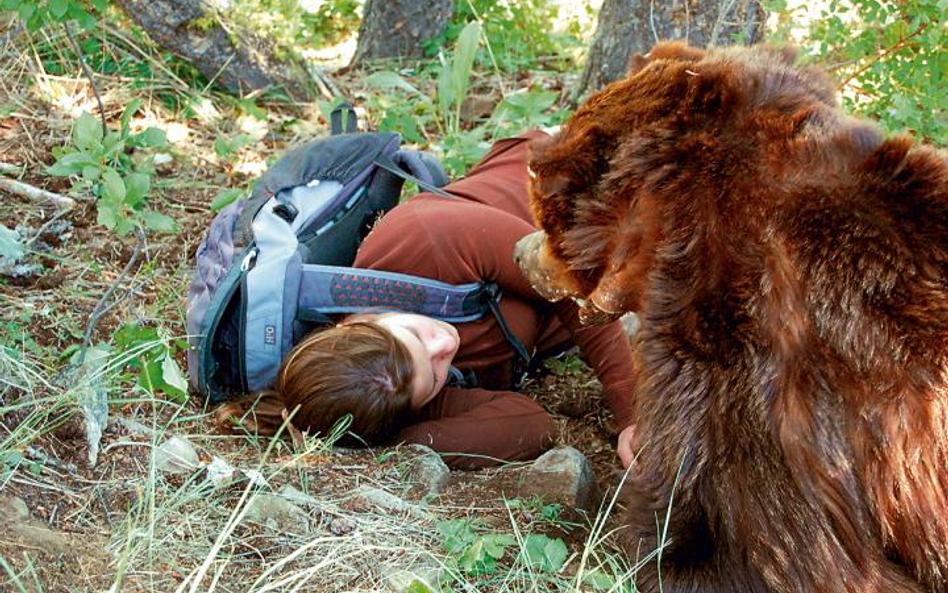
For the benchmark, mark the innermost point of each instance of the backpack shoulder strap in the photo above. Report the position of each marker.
(386, 162)
(330, 290)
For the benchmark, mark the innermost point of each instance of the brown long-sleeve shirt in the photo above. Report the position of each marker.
(470, 238)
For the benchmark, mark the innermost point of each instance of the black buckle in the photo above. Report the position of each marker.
(286, 211)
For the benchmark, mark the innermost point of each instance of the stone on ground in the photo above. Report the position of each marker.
(562, 475)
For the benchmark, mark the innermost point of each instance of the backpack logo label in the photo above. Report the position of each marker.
(269, 335)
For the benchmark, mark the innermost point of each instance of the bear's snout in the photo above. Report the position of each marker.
(530, 253)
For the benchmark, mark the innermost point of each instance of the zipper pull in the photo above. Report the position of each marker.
(248, 260)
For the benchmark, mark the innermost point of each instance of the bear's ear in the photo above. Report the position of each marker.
(665, 50)
(636, 63)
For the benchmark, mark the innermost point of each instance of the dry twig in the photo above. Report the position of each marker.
(34, 193)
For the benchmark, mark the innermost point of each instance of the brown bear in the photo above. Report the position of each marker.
(789, 265)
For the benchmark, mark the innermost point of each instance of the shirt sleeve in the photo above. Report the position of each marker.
(476, 428)
(469, 242)
(607, 350)
(482, 245)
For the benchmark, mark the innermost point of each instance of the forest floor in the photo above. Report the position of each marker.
(124, 525)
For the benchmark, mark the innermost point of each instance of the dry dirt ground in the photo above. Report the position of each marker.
(78, 512)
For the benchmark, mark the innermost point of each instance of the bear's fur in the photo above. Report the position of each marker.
(789, 266)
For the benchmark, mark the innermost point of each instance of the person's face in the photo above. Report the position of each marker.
(432, 344)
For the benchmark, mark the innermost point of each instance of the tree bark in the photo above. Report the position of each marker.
(628, 27)
(398, 28)
(238, 63)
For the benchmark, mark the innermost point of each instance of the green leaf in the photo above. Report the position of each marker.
(112, 145)
(387, 79)
(545, 553)
(149, 378)
(458, 534)
(496, 544)
(417, 586)
(475, 559)
(176, 384)
(10, 245)
(161, 223)
(26, 10)
(124, 224)
(599, 580)
(72, 163)
(225, 197)
(132, 335)
(91, 173)
(113, 187)
(87, 132)
(153, 138)
(445, 88)
(225, 146)
(463, 60)
(58, 8)
(108, 214)
(136, 187)
(132, 108)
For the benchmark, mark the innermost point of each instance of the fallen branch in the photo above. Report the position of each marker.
(34, 193)
(8, 169)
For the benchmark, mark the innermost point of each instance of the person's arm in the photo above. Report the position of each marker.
(480, 240)
(606, 349)
(476, 428)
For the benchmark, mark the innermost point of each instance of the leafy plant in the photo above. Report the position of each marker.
(294, 26)
(36, 13)
(474, 552)
(525, 109)
(545, 553)
(565, 365)
(541, 511)
(152, 358)
(461, 148)
(519, 33)
(455, 77)
(891, 58)
(112, 168)
(225, 197)
(226, 146)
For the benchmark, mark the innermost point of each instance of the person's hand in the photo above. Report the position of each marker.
(625, 447)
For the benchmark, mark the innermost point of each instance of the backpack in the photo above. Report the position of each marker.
(275, 265)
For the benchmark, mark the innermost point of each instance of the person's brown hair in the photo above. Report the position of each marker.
(356, 368)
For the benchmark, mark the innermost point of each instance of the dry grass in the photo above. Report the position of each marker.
(123, 525)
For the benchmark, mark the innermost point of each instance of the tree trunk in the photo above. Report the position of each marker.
(238, 63)
(628, 27)
(397, 28)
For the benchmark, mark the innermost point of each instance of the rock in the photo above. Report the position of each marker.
(13, 510)
(387, 501)
(255, 478)
(341, 526)
(427, 470)
(398, 579)
(133, 427)
(219, 472)
(381, 498)
(19, 522)
(561, 475)
(301, 498)
(176, 456)
(297, 496)
(276, 512)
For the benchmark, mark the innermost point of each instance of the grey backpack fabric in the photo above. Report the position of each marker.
(274, 265)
